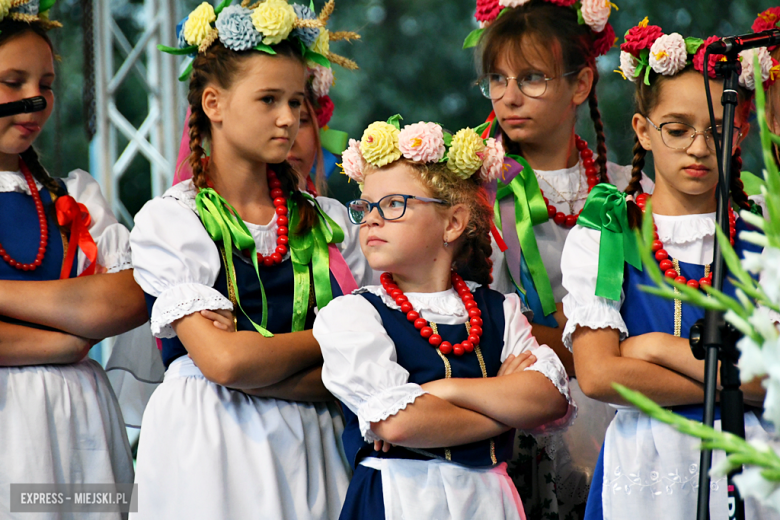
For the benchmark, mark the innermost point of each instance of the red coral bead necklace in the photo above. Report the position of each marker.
(592, 176)
(282, 231)
(421, 324)
(665, 262)
(36, 196)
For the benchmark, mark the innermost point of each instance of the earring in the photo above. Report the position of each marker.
(446, 244)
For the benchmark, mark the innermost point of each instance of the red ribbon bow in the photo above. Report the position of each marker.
(76, 215)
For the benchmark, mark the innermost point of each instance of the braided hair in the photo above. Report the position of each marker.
(220, 66)
(571, 43)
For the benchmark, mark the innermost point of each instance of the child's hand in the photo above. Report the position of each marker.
(382, 446)
(516, 363)
(223, 319)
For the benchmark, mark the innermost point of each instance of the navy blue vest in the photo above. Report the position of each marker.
(20, 236)
(422, 361)
(278, 285)
(643, 312)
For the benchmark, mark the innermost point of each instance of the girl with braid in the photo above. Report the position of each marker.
(537, 65)
(435, 372)
(242, 426)
(59, 418)
(619, 333)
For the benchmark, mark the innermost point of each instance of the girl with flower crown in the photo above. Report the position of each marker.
(537, 65)
(59, 419)
(435, 370)
(619, 333)
(241, 425)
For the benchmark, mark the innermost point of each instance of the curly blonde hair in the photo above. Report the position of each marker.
(472, 258)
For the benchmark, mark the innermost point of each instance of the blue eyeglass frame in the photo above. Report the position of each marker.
(372, 205)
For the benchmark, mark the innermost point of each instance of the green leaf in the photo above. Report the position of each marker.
(262, 47)
(311, 5)
(473, 38)
(578, 7)
(692, 44)
(186, 74)
(317, 58)
(176, 51)
(481, 128)
(772, 475)
(223, 4)
(45, 5)
(731, 258)
(395, 121)
(752, 183)
(447, 139)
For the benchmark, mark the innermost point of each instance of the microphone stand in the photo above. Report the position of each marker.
(712, 339)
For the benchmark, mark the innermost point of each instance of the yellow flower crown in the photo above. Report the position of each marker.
(259, 26)
(29, 11)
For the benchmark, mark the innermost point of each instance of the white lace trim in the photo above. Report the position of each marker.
(444, 303)
(121, 263)
(558, 378)
(264, 234)
(374, 410)
(599, 314)
(182, 300)
(16, 183)
(683, 229)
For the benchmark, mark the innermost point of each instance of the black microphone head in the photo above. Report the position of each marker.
(35, 104)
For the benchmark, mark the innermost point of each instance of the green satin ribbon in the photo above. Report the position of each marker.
(311, 249)
(605, 210)
(334, 141)
(222, 222)
(530, 210)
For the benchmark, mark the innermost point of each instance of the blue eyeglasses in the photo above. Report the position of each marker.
(390, 207)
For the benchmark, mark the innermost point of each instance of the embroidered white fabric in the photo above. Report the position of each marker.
(111, 237)
(549, 235)
(652, 470)
(182, 300)
(360, 362)
(171, 248)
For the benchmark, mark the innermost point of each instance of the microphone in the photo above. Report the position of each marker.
(746, 41)
(23, 106)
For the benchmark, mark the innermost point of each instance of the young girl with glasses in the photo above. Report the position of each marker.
(537, 65)
(621, 334)
(242, 427)
(435, 370)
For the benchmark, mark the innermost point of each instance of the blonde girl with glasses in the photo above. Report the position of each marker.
(617, 332)
(537, 65)
(435, 370)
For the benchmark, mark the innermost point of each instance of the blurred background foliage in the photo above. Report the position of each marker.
(411, 62)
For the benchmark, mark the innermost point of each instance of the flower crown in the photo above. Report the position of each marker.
(593, 13)
(260, 26)
(766, 20)
(647, 48)
(465, 152)
(29, 11)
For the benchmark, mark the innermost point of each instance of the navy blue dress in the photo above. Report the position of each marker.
(364, 497)
(644, 313)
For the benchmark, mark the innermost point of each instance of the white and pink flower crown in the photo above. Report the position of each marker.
(593, 13)
(647, 49)
(464, 152)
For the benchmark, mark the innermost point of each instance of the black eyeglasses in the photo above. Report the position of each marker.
(390, 207)
(533, 84)
(680, 136)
